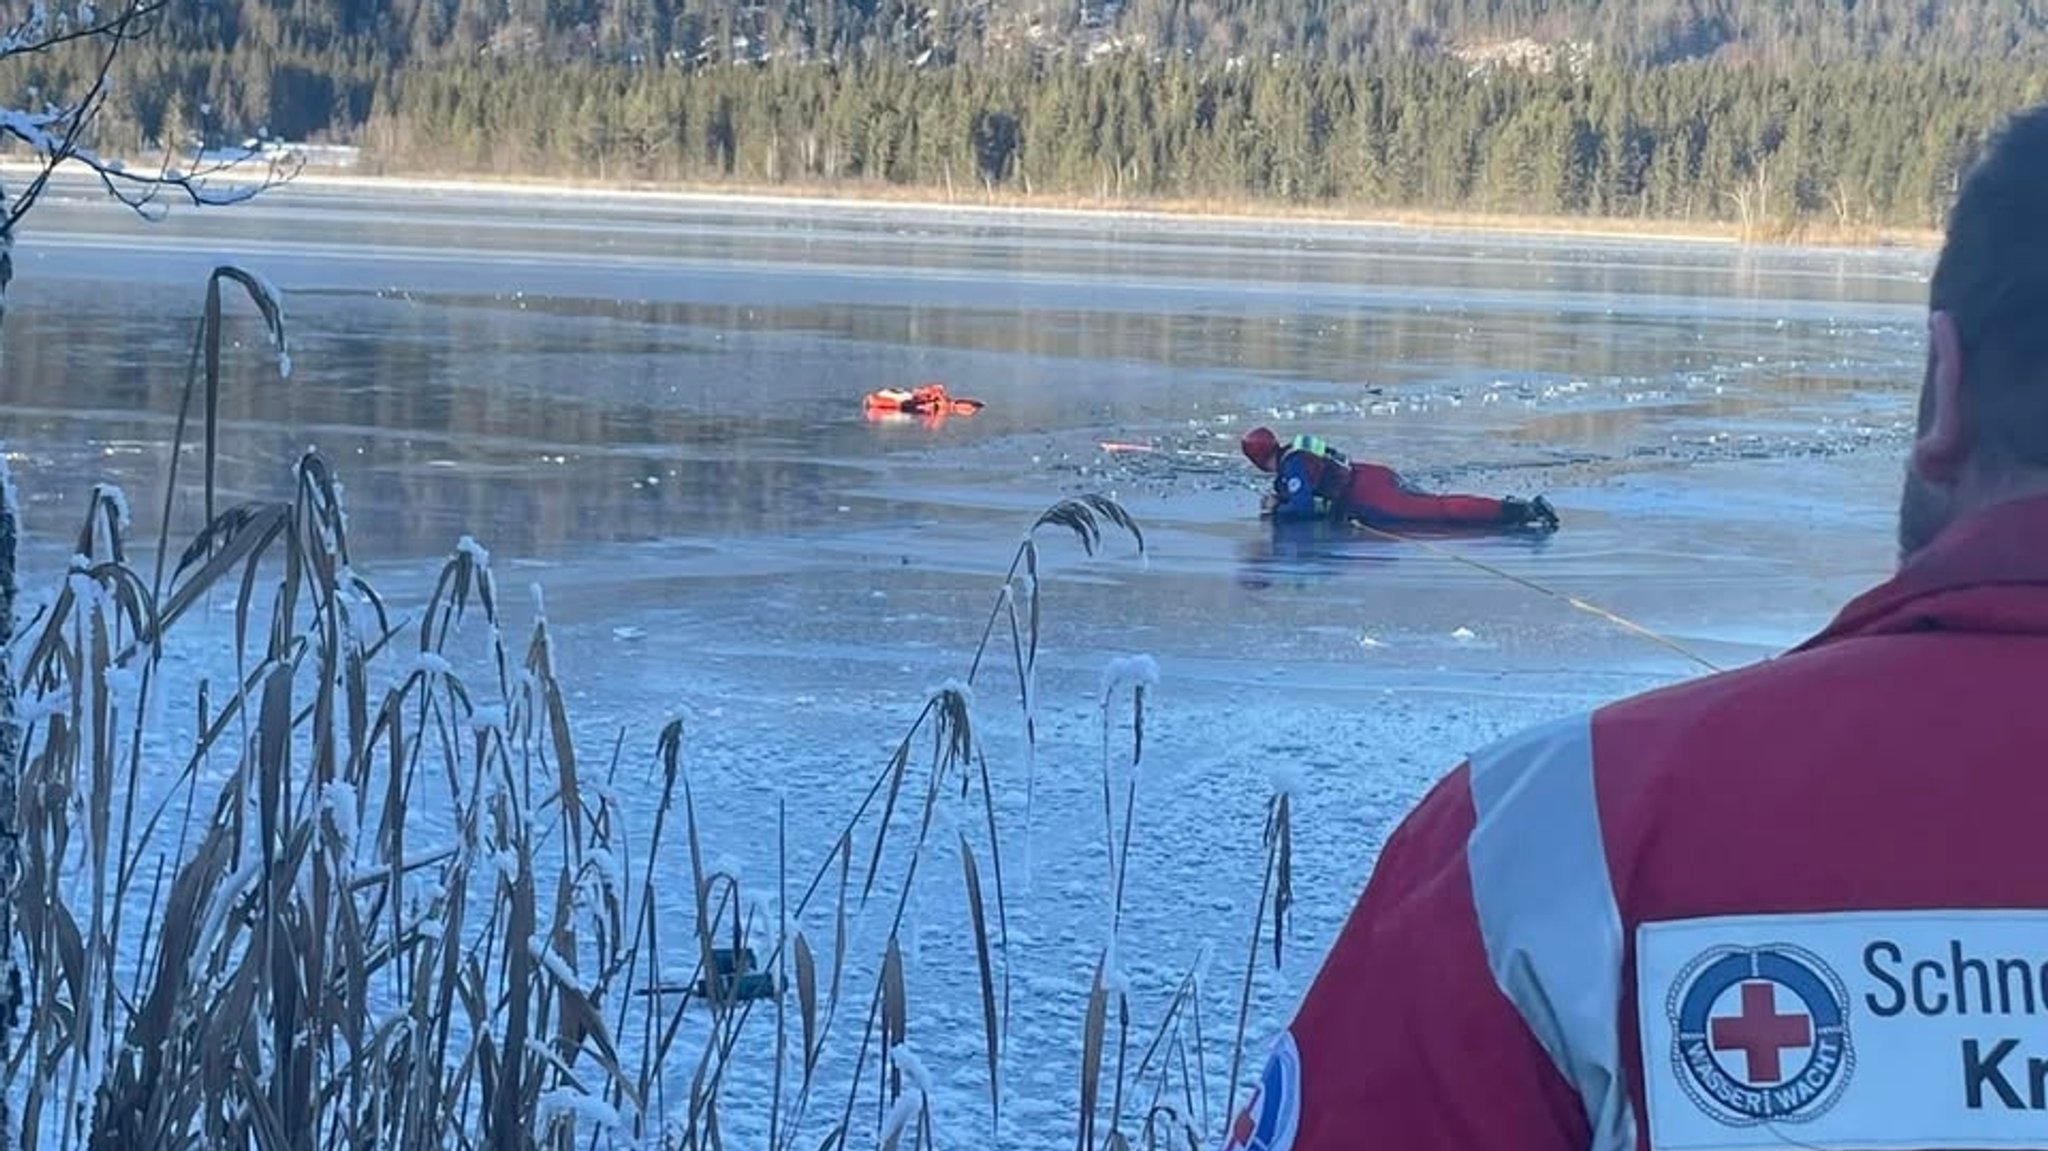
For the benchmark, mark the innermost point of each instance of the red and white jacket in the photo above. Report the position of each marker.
(1801, 904)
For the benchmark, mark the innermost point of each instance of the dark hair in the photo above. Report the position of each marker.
(1992, 276)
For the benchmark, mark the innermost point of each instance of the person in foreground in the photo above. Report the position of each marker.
(1800, 904)
(1312, 480)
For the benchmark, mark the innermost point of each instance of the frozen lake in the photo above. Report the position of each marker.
(652, 407)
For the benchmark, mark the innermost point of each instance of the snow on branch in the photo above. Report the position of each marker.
(56, 131)
(41, 30)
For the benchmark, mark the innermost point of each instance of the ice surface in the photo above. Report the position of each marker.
(1723, 477)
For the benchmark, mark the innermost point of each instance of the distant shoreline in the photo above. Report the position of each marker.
(898, 198)
(916, 199)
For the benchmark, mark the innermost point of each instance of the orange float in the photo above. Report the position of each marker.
(923, 400)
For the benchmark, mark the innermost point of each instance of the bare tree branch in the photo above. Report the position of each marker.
(56, 133)
(33, 34)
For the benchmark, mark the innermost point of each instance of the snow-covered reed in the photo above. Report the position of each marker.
(387, 898)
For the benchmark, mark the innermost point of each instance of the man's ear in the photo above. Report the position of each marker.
(1943, 443)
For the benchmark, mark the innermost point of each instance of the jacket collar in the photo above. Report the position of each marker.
(1962, 581)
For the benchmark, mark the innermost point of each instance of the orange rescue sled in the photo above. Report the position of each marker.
(924, 400)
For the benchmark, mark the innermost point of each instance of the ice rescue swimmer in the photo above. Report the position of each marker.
(1312, 481)
(1801, 904)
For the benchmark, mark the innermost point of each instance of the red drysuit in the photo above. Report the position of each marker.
(1378, 494)
(1310, 479)
(1803, 903)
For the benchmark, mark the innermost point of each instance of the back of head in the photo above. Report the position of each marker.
(1992, 277)
(1261, 447)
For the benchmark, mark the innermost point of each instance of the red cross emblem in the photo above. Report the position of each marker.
(1761, 1034)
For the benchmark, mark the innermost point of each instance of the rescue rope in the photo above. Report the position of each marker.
(1532, 585)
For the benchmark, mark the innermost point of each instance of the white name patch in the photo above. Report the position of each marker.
(1870, 1029)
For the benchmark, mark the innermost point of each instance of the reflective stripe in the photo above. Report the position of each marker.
(1547, 913)
(1314, 445)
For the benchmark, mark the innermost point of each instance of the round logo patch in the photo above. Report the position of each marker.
(1269, 1120)
(1761, 1034)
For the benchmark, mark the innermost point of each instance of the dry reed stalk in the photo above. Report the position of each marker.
(294, 965)
(12, 989)
(1276, 891)
(308, 979)
(946, 719)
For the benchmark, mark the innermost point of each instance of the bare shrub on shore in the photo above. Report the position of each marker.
(287, 947)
